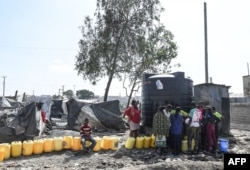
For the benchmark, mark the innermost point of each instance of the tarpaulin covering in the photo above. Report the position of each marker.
(109, 114)
(105, 115)
(56, 109)
(9, 103)
(23, 125)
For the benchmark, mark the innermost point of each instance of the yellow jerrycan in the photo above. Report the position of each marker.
(7, 150)
(48, 145)
(98, 144)
(147, 140)
(139, 142)
(77, 143)
(152, 141)
(16, 148)
(130, 142)
(27, 147)
(38, 146)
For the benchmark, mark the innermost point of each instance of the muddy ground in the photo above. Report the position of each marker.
(139, 159)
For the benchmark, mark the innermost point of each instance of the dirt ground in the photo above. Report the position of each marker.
(139, 159)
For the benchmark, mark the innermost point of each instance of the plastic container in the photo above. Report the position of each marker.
(27, 147)
(139, 142)
(7, 150)
(192, 145)
(67, 142)
(130, 142)
(223, 145)
(106, 143)
(184, 145)
(77, 143)
(114, 143)
(16, 148)
(38, 146)
(1, 154)
(98, 144)
(48, 145)
(152, 141)
(147, 141)
(58, 143)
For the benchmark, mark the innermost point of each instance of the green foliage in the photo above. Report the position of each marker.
(85, 94)
(126, 37)
(69, 93)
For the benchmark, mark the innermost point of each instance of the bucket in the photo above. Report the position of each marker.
(48, 145)
(58, 143)
(27, 147)
(139, 142)
(130, 142)
(223, 145)
(98, 144)
(38, 146)
(16, 148)
(1, 154)
(77, 143)
(7, 148)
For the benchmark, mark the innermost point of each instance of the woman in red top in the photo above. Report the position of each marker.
(134, 117)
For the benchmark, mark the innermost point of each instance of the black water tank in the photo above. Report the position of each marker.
(162, 89)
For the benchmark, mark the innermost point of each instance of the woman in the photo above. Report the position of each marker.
(134, 118)
(161, 128)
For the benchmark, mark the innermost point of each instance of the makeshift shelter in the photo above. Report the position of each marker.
(56, 109)
(23, 125)
(9, 103)
(105, 115)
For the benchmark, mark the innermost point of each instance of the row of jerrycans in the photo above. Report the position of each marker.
(149, 141)
(140, 142)
(29, 147)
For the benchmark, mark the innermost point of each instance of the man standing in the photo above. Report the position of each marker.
(195, 117)
(219, 117)
(176, 130)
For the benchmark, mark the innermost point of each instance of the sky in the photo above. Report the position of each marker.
(39, 42)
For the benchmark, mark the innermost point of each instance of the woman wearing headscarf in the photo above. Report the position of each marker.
(134, 118)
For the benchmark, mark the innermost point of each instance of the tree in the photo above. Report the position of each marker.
(85, 94)
(120, 41)
(154, 56)
(69, 93)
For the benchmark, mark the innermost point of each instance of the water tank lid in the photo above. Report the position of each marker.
(161, 76)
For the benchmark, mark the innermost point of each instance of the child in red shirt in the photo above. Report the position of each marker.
(85, 132)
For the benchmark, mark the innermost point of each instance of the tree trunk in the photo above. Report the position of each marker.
(131, 92)
(107, 88)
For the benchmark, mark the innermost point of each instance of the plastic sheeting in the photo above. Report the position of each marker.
(109, 114)
(22, 127)
(105, 115)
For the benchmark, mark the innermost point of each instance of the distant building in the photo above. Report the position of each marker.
(246, 85)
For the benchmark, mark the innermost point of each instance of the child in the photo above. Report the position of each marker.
(85, 132)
